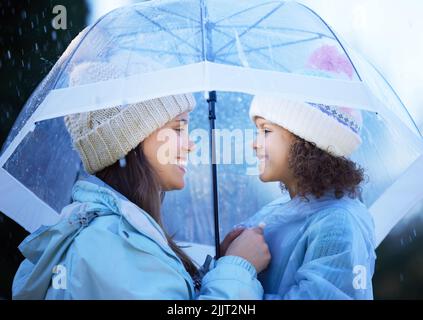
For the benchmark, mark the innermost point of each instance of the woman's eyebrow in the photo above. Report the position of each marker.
(261, 124)
(180, 121)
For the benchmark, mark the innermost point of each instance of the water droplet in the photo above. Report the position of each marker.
(23, 15)
(36, 46)
(122, 162)
(9, 55)
(401, 277)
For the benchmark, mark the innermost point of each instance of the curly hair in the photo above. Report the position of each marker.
(316, 171)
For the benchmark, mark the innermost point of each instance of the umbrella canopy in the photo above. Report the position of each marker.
(236, 50)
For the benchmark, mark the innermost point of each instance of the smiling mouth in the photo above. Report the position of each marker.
(182, 168)
(261, 157)
(182, 164)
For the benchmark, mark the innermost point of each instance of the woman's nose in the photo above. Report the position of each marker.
(189, 146)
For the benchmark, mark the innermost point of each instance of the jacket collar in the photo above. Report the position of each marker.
(93, 190)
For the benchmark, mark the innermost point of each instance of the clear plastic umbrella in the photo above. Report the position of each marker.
(224, 52)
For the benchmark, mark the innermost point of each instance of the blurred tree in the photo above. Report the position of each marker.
(29, 47)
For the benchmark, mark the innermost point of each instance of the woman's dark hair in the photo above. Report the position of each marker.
(138, 182)
(316, 171)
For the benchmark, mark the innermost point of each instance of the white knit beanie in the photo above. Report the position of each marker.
(104, 136)
(333, 129)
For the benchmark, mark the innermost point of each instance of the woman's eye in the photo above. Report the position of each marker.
(266, 131)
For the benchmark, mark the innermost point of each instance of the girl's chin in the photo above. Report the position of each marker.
(263, 178)
(266, 177)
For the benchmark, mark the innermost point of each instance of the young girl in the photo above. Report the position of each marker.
(322, 240)
(110, 243)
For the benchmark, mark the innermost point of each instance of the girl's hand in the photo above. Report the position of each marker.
(250, 245)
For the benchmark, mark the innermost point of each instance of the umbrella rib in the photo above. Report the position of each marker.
(250, 27)
(242, 11)
(257, 50)
(177, 14)
(280, 29)
(280, 45)
(167, 31)
(259, 53)
(138, 33)
(317, 36)
(162, 51)
(277, 63)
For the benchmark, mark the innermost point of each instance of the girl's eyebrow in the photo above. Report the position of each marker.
(263, 123)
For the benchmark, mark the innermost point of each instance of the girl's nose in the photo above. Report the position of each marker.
(255, 144)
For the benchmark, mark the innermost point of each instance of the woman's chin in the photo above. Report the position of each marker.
(178, 184)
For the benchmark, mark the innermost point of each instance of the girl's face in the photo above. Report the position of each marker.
(272, 146)
(167, 151)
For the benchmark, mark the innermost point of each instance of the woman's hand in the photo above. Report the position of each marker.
(231, 236)
(250, 245)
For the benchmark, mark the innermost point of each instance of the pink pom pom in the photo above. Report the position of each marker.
(327, 58)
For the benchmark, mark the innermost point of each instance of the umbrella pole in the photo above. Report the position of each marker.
(212, 149)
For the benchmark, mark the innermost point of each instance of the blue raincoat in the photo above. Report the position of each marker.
(106, 247)
(321, 248)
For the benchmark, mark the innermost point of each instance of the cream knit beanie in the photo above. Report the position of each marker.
(104, 136)
(333, 129)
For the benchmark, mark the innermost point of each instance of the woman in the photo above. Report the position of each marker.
(110, 242)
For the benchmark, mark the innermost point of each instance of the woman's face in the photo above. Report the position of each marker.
(272, 146)
(167, 151)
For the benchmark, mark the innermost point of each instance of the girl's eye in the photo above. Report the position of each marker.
(261, 131)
